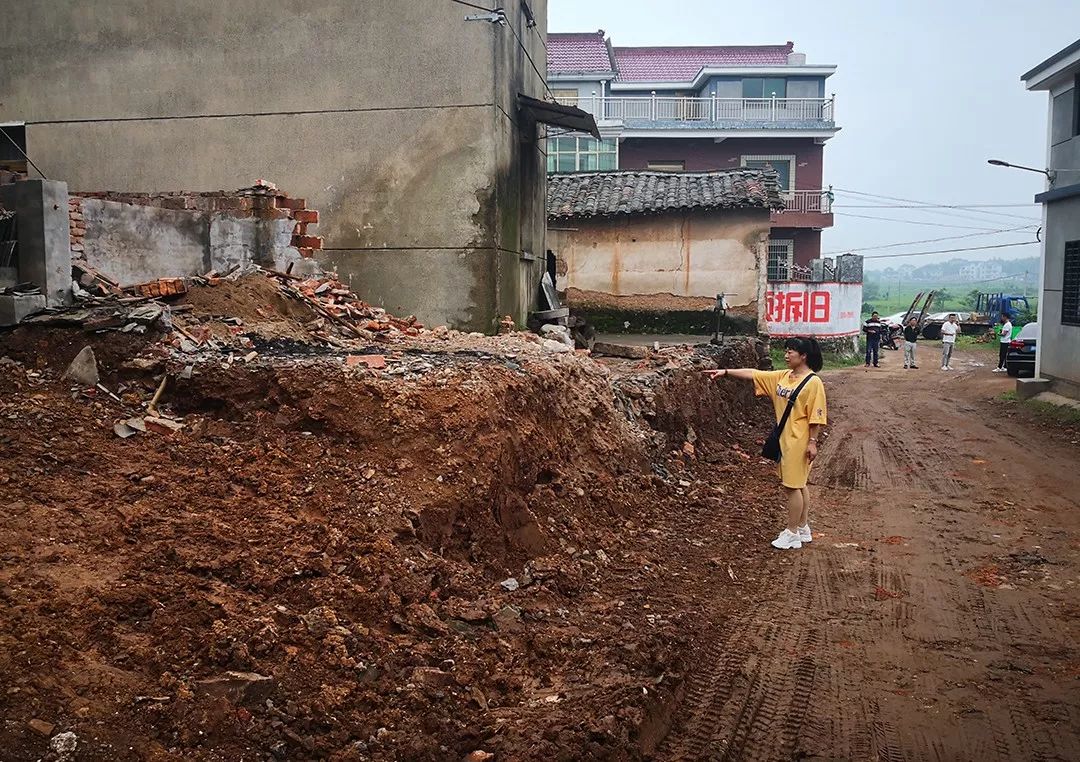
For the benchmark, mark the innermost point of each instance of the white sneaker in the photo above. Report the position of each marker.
(787, 541)
(804, 533)
(949, 367)
(943, 367)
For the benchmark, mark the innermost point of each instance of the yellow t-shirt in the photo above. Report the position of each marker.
(778, 385)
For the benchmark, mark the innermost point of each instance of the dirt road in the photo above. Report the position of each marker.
(935, 615)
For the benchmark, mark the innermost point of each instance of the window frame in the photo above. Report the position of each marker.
(764, 94)
(557, 153)
(669, 165)
(789, 245)
(774, 159)
(1070, 283)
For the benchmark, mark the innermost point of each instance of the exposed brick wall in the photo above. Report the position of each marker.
(259, 202)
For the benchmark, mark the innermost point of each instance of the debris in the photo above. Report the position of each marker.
(370, 361)
(83, 369)
(41, 727)
(550, 345)
(161, 287)
(167, 425)
(151, 408)
(64, 745)
(510, 584)
(508, 619)
(620, 350)
(237, 687)
(103, 388)
(124, 431)
(478, 756)
(146, 314)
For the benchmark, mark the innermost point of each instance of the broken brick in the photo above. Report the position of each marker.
(306, 215)
(371, 361)
(284, 202)
(307, 241)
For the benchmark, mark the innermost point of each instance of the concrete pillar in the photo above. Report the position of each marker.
(41, 207)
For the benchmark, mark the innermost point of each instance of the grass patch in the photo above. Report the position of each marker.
(1047, 411)
(969, 342)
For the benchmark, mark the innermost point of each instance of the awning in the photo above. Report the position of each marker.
(558, 115)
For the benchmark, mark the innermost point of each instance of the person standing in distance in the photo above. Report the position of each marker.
(799, 439)
(949, 329)
(873, 329)
(1004, 337)
(911, 337)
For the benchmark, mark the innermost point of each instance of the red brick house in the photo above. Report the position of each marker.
(700, 109)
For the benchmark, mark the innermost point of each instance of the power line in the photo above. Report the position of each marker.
(951, 251)
(473, 6)
(532, 63)
(24, 154)
(929, 205)
(926, 240)
(914, 222)
(933, 206)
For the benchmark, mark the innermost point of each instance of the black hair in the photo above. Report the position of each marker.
(809, 348)
(875, 312)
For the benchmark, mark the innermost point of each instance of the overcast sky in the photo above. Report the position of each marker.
(926, 92)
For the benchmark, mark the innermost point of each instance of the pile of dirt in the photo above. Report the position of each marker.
(253, 299)
(488, 552)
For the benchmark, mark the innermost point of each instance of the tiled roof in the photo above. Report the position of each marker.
(606, 194)
(683, 64)
(578, 52)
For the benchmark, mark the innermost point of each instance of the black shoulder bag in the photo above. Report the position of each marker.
(771, 448)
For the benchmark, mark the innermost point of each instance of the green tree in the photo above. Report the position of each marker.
(942, 298)
(970, 299)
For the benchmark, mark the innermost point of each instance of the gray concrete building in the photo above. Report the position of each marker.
(1058, 358)
(401, 122)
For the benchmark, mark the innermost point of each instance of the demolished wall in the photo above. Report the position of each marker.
(137, 237)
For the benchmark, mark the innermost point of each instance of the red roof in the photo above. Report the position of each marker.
(578, 52)
(683, 64)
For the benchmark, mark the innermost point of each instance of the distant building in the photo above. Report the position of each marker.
(1058, 358)
(647, 242)
(700, 109)
(981, 271)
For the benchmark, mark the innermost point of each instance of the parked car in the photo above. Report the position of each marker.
(1021, 357)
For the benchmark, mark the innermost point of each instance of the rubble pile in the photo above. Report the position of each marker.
(452, 548)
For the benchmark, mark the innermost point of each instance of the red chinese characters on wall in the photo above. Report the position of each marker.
(798, 306)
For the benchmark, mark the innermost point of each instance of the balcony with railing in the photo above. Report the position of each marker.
(660, 112)
(807, 202)
(804, 209)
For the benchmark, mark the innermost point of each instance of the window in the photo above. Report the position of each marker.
(1070, 285)
(781, 258)
(572, 154)
(567, 97)
(764, 87)
(783, 165)
(666, 166)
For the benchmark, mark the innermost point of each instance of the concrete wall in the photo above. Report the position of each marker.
(705, 154)
(1059, 350)
(133, 243)
(44, 254)
(694, 255)
(396, 120)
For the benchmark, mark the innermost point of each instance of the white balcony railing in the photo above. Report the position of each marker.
(807, 202)
(719, 110)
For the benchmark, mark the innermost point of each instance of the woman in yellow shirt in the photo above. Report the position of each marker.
(799, 439)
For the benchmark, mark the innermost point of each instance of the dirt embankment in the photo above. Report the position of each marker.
(318, 564)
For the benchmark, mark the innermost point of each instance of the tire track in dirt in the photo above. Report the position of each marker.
(894, 635)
